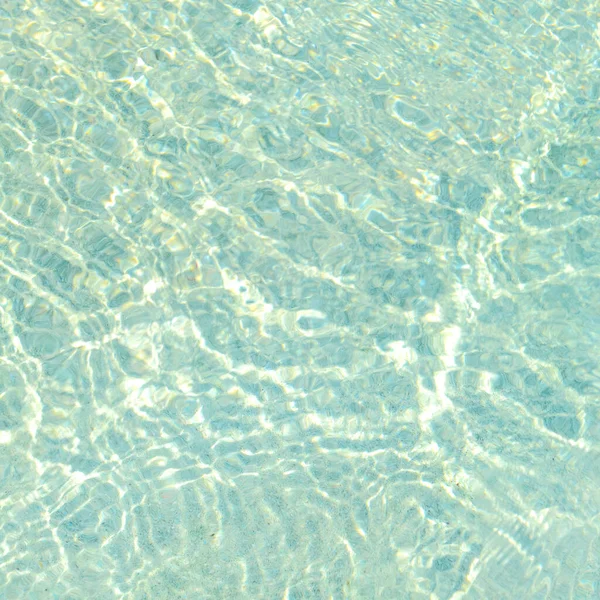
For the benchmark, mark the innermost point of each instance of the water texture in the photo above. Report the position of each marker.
(299, 300)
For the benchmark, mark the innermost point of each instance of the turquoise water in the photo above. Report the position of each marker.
(299, 300)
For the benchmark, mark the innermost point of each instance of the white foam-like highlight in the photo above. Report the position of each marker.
(401, 354)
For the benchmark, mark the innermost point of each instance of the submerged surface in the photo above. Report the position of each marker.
(299, 300)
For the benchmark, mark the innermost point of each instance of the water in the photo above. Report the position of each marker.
(299, 300)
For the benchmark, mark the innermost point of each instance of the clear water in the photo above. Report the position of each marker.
(299, 300)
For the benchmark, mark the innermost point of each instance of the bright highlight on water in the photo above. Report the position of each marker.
(299, 300)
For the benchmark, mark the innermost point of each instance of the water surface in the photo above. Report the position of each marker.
(299, 300)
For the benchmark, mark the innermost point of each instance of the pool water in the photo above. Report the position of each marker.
(299, 300)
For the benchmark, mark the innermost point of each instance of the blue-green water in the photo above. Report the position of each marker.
(299, 300)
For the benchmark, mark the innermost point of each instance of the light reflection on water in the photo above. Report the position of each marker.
(298, 301)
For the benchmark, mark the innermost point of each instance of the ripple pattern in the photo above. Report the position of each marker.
(299, 300)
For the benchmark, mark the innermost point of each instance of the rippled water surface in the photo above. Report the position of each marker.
(299, 300)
